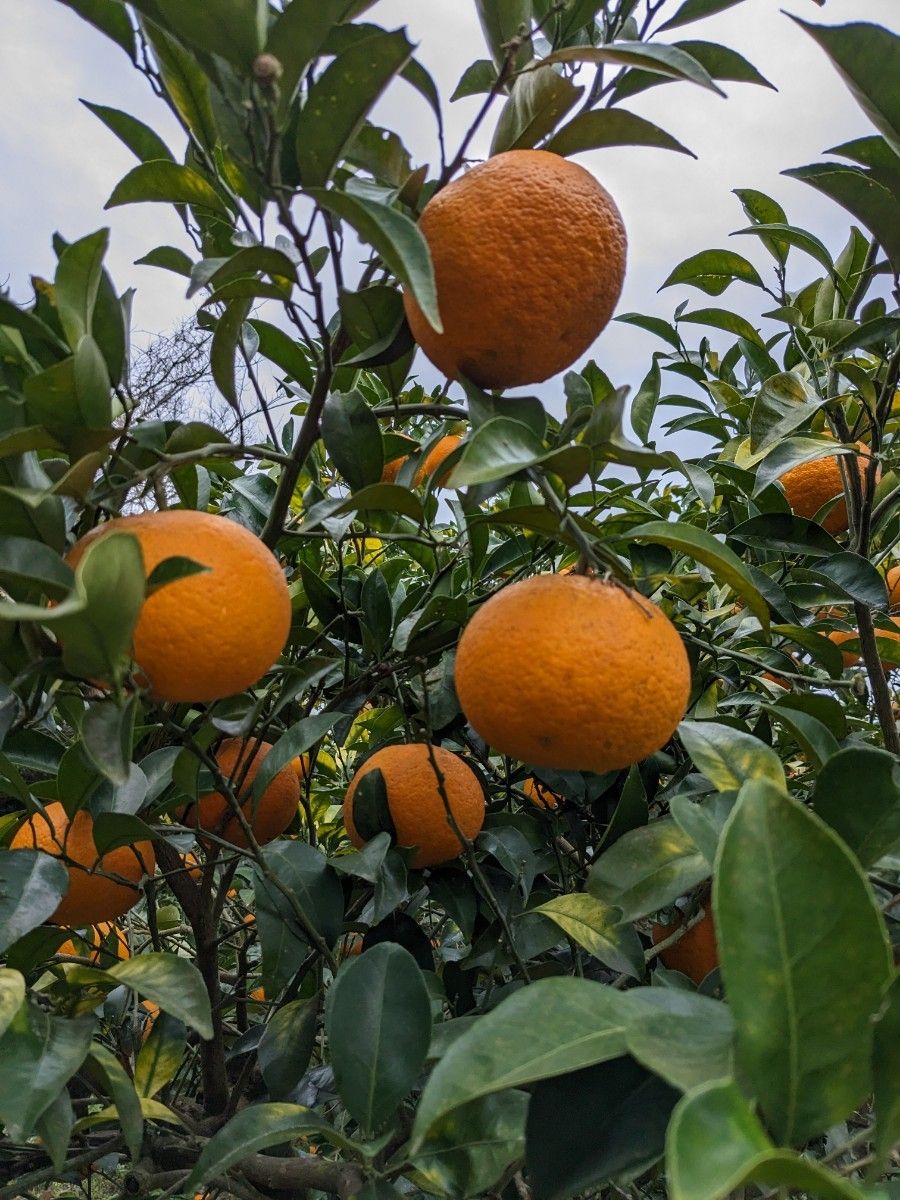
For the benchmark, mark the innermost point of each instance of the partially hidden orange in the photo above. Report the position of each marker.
(101, 888)
(213, 633)
(105, 940)
(429, 465)
(415, 802)
(810, 485)
(239, 763)
(571, 672)
(696, 953)
(529, 259)
(540, 795)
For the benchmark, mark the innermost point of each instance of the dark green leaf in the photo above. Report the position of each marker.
(866, 815)
(713, 270)
(233, 29)
(170, 258)
(224, 347)
(121, 1091)
(721, 318)
(140, 139)
(650, 56)
(166, 183)
(297, 36)
(805, 961)
(503, 21)
(643, 407)
(479, 77)
(39, 1053)
(696, 10)
(31, 886)
(106, 736)
(646, 869)
(857, 191)
(379, 1026)
(252, 1129)
(611, 127)
(29, 563)
(340, 100)
(467, 1152)
(886, 1069)
(110, 17)
(538, 101)
(783, 404)
(352, 437)
(287, 1046)
(77, 284)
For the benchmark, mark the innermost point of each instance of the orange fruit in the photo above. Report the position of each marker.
(529, 259)
(91, 943)
(851, 657)
(214, 633)
(540, 795)
(258, 994)
(776, 679)
(892, 579)
(429, 465)
(695, 954)
(416, 806)
(809, 485)
(570, 672)
(152, 1009)
(300, 766)
(351, 945)
(194, 866)
(268, 817)
(92, 896)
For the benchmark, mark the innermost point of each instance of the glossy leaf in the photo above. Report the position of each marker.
(713, 270)
(164, 182)
(160, 1056)
(78, 282)
(729, 757)
(296, 37)
(867, 818)
(614, 1127)
(379, 1026)
(501, 22)
(502, 447)
(254, 1128)
(172, 982)
(31, 886)
(121, 1091)
(466, 1153)
(352, 437)
(395, 237)
(235, 29)
(650, 56)
(39, 1053)
(287, 1045)
(611, 127)
(682, 1036)
(696, 10)
(538, 101)
(805, 961)
(647, 869)
(858, 192)
(599, 929)
(143, 142)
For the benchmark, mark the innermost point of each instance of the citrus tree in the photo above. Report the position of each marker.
(421, 791)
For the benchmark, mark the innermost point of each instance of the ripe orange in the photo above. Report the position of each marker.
(211, 634)
(695, 954)
(300, 766)
(194, 866)
(153, 1011)
(540, 795)
(570, 672)
(529, 259)
(258, 995)
(429, 465)
(811, 484)
(851, 657)
(892, 579)
(268, 817)
(92, 896)
(91, 943)
(415, 802)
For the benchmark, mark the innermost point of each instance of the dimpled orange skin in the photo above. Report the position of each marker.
(92, 897)
(417, 808)
(811, 484)
(214, 633)
(696, 953)
(573, 673)
(268, 817)
(529, 260)
(433, 459)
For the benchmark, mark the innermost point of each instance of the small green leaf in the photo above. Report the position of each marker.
(165, 182)
(395, 237)
(643, 407)
(172, 982)
(106, 731)
(287, 1046)
(110, 17)
(538, 101)
(729, 757)
(650, 56)
(599, 929)
(611, 127)
(713, 270)
(721, 318)
(31, 886)
(646, 869)
(253, 1129)
(122, 1092)
(160, 1056)
(340, 100)
(225, 343)
(78, 282)
(296, 37)
(696, 10)
(140, 139)
(352, 437)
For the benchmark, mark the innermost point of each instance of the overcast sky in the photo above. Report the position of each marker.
(60, 164)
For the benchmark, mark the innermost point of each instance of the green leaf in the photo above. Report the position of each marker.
(704, 548)
(724, 63)
(185, 83)
(176, 566)
(538, 101)
(852, 49)
(31, 886)
(478, 78)
(713, 270)
(886, 1071)
(721, 318)
(551, 1027)
(122, 1092)
(696, 10)
(805, 959)
(599, 929)
(32, 564)
(614, 1127)
(12, 996)
(857, 191)
(501, 22)
(294, 741)
(716, 1144)
(39, 1053)
(683, 1037)
(466, 1153)
(77, 284)
(502, 447)
(792, 236)
(611, 127)
(787, 534)
(287, 1046)
(816, 740)
(297, 36)
(791, 451)
(143, 142)
(163, 182)
(106, 731)
(646, 869)
(729, 757)
(352, 438)
(170, 258)
(224, 347)
(643, 407)
(281, 349)
(160, 1056)
(252, 1129)
(763, 210)
(54, 1127)
(233, 29)
(782, 405)
(110, 17)
(649, 56)
(703, 820)
(172, 982)
(396, 238)
(379, 1025)
(340, 100)
(869, 822)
